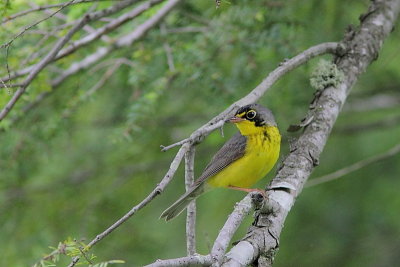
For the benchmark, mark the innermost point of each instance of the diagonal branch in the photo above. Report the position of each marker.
(158, 190)
(363, 46)
(41, 8)
(354, 167)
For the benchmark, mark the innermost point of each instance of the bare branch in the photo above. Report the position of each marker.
(377, 101)
(362, 48)
(354, 167)
(195, 260)
(191, 209)
(44, 7)
(224, 237)
(158, 190)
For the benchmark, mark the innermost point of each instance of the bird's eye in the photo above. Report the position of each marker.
(251, 114)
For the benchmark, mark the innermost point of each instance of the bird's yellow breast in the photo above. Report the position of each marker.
(261, 154)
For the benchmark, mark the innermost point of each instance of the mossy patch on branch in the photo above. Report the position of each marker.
(326, 74)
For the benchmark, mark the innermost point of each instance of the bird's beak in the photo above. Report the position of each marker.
(235, 119)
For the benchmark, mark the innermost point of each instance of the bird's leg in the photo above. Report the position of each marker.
(249, 190)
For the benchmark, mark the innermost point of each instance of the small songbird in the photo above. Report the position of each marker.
(243, 160)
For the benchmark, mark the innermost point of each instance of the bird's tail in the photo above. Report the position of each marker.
(179, 205)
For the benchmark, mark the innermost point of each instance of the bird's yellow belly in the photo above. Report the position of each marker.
(260, 157)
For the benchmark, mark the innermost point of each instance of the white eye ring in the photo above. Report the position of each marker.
(251, 114)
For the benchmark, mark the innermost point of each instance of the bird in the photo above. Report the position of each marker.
(242, 161)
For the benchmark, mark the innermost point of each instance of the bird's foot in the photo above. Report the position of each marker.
(249, 190)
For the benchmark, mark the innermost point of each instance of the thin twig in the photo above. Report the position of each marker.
(354, 167)
(187, 30)
(7, 86)
(4, 85)
(158, 190)
(7, 44)
(165, 148)
(167, 49)
(96, 34)
(364, 127)
(44, 7)
(191, 209)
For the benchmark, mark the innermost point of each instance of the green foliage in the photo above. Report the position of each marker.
(75, 164)
(326, 74)
(69, 249)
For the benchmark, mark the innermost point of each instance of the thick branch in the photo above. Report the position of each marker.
(196, 260)
(363, 46)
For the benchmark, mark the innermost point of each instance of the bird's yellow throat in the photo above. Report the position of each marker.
(262, 152)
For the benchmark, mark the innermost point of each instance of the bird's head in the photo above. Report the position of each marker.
(253, 119)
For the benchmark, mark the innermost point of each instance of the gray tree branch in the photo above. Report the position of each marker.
(191, 209)
(354, 167)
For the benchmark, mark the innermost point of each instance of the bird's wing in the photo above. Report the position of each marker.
(231, 151)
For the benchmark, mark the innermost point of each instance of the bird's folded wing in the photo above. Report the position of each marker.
(232, 150)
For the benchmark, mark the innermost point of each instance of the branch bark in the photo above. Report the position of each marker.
(191, 209)
(362, 47)
(158, 190)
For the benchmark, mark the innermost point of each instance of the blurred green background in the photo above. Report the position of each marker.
(73, 166)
